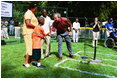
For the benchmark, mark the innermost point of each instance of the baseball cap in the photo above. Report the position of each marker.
(111, 19)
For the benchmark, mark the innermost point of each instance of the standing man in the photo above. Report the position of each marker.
(47, 29)
(76, 27)
(109, 27)
(61, 24)
(11, 27)
(30, 21)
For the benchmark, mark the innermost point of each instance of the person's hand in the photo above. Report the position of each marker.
(70, 33)
(53, 29)
(109, 32)
(44, 37)
(76, 30)
(96, 23)
(48, 34)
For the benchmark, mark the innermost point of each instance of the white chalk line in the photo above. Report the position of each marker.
(81, 71)
(56, 65)
(97, 63)
(103, 59)
(98, 58)
(91, 73)
(64, 60)
(94, 63)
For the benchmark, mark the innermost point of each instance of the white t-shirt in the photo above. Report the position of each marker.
(103, 23)
(76, 25)
(47, 24)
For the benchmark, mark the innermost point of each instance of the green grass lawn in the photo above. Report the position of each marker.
(12, 58)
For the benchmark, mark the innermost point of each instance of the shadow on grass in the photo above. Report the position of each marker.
(14, 42)
(10, 71)
(89, 68)
(54, 53)
(11, 41)
(63, 54)
(101, 43)
(5, 68)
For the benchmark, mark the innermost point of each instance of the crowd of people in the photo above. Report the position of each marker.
(4, 29)
(36, 32)
(8, 29)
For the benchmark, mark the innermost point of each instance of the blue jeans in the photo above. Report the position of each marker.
(11, 30)
(66, 36)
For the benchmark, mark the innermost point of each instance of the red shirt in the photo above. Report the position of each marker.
(62, 25)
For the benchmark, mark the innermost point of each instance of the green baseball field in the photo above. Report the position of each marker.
(12, 58)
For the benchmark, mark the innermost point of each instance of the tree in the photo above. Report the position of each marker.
(90, 9)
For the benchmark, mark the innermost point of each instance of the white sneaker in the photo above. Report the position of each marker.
(38, 64)
(26, 65)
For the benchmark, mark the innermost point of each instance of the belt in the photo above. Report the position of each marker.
(38, 34)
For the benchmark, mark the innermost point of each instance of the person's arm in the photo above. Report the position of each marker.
(28, 23)
(106, 28)
(73, 26)
(44, 34)
(69, 25)
(53, 29)
(50, 25)
(94, 25)
(70, 33)
(78, 26)
(99, 26)
(27, 18)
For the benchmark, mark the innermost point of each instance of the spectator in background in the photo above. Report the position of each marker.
(47, 29)
(61, 24)
(109, 27)
(4, 28)
(11, 27)
(2, 31)
(96, 29)
(6, 22)
(86, 24)
(104, 22)
(76, 27)
(30, 21)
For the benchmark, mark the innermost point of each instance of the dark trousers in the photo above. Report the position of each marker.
(36, 54)
(66, 36)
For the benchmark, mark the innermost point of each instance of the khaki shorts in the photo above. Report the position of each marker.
(28, 43)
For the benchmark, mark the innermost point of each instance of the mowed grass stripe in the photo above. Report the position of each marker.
(12, 58)
(82, 67)
(104, 59)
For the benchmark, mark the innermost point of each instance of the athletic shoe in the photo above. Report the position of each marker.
(26, 65)
(71, 56)
(59, 58)
(41, 67)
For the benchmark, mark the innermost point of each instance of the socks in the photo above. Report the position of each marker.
(36, 63)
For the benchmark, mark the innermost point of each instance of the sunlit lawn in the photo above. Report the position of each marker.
(12, 58)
